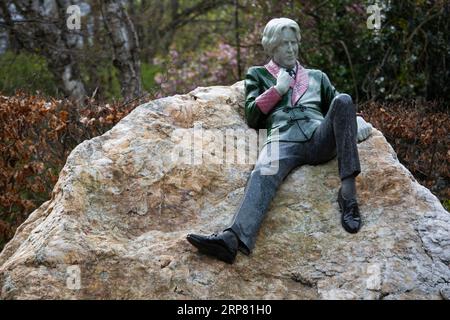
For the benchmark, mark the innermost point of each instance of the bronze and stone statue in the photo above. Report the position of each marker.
(311, 123)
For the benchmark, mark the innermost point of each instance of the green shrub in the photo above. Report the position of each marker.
(25, 71)
(446, 204)
(148, 72)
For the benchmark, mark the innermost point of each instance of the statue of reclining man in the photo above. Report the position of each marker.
(311, 122)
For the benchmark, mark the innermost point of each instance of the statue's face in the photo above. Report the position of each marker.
(286, 53)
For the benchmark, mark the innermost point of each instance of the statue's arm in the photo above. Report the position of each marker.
(252, 113)
(258, 104)
(328, 92)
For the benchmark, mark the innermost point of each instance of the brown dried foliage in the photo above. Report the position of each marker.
(420, 135)
(36, 136)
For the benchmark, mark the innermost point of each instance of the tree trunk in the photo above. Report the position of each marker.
(126, 48)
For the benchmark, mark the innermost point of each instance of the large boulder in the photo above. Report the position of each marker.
(117, 221)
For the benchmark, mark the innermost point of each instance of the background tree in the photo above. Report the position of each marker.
(125, 44)
(40, 27)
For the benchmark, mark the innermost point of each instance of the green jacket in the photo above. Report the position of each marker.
(296, 119)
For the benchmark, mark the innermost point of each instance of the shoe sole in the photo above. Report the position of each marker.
(214, 250)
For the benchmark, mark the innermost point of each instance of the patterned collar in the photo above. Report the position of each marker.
(299, 85)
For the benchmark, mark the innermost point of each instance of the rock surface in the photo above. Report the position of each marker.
(116, 224)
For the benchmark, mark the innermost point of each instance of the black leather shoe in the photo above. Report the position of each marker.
(223, 246)
(350, 219)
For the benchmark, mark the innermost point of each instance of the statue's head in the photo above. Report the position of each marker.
(281, 38)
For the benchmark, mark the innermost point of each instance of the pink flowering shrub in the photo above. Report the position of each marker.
(186, 71)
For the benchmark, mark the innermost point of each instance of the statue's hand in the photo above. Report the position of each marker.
(283, 82)
(364, 129)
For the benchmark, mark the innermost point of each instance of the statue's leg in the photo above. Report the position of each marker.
(261, 188)
(337, 134)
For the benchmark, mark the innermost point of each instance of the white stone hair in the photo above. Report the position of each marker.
(272, 33)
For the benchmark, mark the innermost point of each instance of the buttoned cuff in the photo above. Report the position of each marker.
(268, 100)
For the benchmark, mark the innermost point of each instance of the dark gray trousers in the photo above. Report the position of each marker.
(337, 134)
